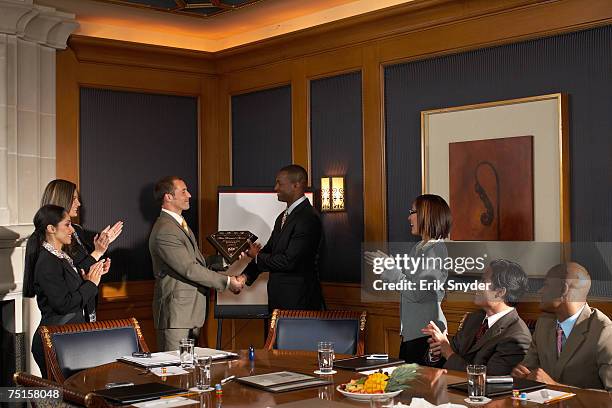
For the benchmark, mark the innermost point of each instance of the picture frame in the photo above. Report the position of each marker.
(544, 117)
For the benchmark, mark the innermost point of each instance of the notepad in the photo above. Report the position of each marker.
(497, 390)
(361, 363)
(139, 392)
(282, 381)
(547, 395)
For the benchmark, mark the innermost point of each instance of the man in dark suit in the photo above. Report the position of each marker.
(494, 336)
(572, 343)
(291, 252)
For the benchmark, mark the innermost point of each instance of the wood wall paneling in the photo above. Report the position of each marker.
(419, 29)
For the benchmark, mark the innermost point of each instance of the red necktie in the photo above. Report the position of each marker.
(560, 336)
(481, 331)
(284, 219)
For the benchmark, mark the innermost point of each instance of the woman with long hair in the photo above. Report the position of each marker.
(65, 194)
(430, 219)
(63, 293)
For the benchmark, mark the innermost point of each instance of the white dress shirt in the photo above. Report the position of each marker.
(491, 320)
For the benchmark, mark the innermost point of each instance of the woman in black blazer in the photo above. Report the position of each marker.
(82, 250)
(63, 293)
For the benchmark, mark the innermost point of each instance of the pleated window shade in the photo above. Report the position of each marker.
(127, 142)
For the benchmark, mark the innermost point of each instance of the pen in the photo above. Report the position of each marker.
(186, 394)
(228, 379)
(559, 398)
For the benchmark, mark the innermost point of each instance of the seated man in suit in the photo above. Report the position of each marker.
(494, 336)
(572, 345)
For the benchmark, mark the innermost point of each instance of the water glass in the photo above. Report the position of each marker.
(202, 371)
(382, 402)
(326, 356)
(186, 347)
(477, 380)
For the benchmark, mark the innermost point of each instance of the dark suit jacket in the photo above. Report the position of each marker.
(290, 255)
(501, 348)
(61, 293)
(81, 248)
(586, 357)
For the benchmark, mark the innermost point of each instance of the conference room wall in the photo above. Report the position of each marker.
(153, 70)
(336, 150)
(576, 64)
(261, 136)
(414, 31)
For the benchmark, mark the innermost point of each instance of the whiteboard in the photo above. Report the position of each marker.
(255, 210)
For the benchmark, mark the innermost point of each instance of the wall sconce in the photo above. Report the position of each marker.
(332, 194)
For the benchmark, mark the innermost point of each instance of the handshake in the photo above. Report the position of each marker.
(236, 283)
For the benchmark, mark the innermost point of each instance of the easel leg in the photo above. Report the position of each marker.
(219, 331)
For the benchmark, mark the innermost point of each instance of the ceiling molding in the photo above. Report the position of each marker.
(100, 50)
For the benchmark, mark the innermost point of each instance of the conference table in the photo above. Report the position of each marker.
(430, 384)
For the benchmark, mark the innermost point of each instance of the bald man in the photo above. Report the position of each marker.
(573, 345)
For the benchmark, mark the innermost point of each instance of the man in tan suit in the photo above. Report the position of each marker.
(572, 345)
(494, 336)
(182, 279)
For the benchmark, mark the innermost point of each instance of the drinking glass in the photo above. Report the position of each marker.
(326, 356)
(202, 371)
(186, 347)
(477, 380)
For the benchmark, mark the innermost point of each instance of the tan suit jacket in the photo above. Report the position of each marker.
(181, 276)
(501, 348)
(586, 357)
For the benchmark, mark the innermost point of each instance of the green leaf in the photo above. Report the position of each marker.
(400, 378)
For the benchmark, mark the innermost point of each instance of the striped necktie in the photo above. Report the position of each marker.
(484, 326)
(285, 215)
(560, 339)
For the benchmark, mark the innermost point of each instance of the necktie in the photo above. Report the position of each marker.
(284, 219)
(184, 225)
(481, 331)
(560, 338)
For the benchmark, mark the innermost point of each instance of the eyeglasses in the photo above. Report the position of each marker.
(412, 211)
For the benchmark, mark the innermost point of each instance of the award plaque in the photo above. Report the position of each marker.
(231, 243)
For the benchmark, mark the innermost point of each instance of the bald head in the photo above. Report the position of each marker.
(566, 286)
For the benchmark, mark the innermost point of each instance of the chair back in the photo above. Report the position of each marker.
(303, 329)
(71, 348)
(70, 398)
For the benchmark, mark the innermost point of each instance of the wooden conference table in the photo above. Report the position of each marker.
(430, 384)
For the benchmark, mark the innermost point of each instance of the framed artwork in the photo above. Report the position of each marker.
(503, 167)
(491, 189)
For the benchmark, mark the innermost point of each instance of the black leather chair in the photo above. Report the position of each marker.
(303, 329)
(70, 398)
(71, 348)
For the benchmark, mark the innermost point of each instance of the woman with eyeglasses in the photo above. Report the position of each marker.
(64, 293)
(430, 219)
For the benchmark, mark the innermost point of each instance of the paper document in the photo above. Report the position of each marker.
(215, 354)
(166, 403)
(168, 358)
(170, 370)
(546, 395)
